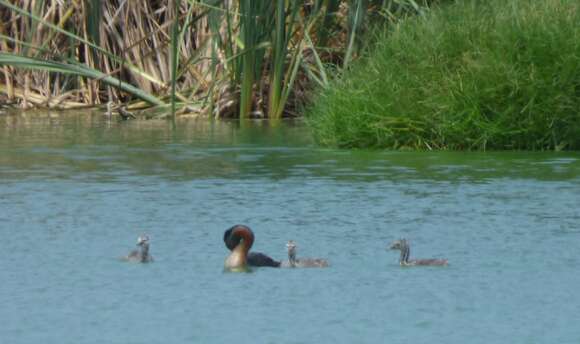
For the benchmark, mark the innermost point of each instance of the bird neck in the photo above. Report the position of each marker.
(238, 258)
(144, 252)
(292, 256)
(405, 252)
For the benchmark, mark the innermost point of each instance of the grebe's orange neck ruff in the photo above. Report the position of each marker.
(243, 238)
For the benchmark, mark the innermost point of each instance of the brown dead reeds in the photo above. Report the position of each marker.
(212, 57)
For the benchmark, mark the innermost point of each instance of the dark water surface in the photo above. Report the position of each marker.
(77, 190)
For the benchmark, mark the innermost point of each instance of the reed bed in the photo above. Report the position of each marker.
(222, 58)
(474, 75)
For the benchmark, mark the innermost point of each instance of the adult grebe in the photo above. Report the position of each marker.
(404, 260)
(142, 254)
(239, 240)
(294, 262)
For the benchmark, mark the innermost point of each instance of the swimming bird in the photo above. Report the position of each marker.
(239, 239)
(140, 255)
(404, 260)
(294, 262)
(121, 109)
(125, 115)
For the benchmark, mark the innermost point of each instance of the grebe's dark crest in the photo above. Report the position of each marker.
(403, 246)
(239, 239)
(140, 255)
(294, 262)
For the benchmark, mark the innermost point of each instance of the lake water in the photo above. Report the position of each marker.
(77, 190)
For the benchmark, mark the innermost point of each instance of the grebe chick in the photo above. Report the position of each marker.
(140, 255)
(121, 110)
(404, 260)
(239, 239)
(125, 115)
(294, 262)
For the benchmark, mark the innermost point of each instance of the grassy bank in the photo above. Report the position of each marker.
(497, 74)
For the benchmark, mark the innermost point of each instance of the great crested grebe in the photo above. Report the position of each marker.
(294, 262)
(239, 240)
(142, 254)
(404, 260)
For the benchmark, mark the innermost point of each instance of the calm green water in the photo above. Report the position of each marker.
(77, 190)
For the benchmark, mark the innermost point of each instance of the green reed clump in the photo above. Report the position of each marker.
(497, 74)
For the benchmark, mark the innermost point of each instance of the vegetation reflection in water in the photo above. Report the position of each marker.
(42, 144)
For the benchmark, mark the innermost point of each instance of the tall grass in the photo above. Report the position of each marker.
(212, 57)
(497, 74)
